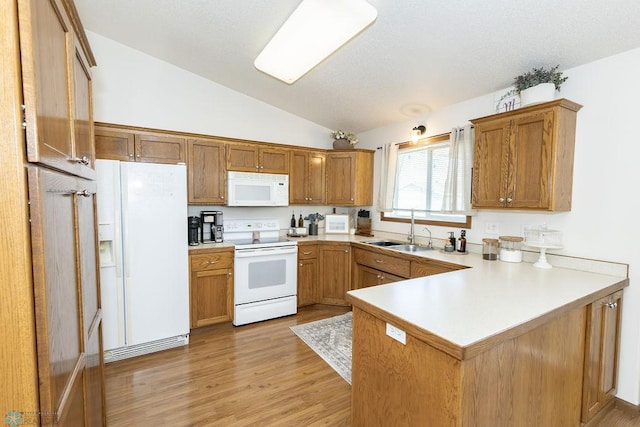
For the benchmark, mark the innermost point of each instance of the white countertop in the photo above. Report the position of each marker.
(468, 306)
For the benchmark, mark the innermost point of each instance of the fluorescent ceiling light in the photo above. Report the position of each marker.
(315, 30)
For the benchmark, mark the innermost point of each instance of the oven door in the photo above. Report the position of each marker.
(265, 273)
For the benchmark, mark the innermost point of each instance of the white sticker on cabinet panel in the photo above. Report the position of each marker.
(397, 334)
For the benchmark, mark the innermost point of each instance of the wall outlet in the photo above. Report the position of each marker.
(397, 334)
(491, 228)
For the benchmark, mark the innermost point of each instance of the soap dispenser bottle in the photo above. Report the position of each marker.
(450, 243)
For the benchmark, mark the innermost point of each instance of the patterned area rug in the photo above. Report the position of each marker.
(331, 339)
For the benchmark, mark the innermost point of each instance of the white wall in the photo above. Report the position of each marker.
(132, 88)
(136, 89)
(602, 223)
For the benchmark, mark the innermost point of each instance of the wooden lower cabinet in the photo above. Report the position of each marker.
(601, 354)
(211, 286)
(534, 379)
(307, 274)
(377, 267)
(66, 294)
(428, 267)
(335, 273)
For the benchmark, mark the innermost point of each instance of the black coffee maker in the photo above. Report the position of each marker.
(193, 230)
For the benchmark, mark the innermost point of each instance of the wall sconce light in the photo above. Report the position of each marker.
(417, 132)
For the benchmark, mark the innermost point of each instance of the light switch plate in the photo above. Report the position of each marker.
(397, 334)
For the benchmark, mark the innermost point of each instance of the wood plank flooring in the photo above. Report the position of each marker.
(259, 374)
(253, 375)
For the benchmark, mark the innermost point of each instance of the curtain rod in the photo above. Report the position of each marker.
(429, 137)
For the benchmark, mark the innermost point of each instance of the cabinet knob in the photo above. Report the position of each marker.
(379, 261)
(352, 199)
(261, 167)
(138, 155)
(84, 193)
(509, 199)
(306, 253)
(346, 251)
(610, 304)
(501, 199)
(229, 274)
(257, 166)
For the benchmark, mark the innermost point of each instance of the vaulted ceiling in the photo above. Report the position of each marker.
(418, 56)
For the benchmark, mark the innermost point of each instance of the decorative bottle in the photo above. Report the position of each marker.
(300, 221)
(462, 242)
(293, 220)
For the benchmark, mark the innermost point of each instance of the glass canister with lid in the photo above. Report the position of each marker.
(490, 249)
(511, 248)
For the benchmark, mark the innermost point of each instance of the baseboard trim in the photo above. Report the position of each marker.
(627, 407)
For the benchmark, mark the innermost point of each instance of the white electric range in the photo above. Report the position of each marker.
(266, 269)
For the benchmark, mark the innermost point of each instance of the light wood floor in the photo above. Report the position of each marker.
(253, 375)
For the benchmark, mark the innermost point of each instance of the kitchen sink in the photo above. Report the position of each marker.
(383, 243)
(410, 248)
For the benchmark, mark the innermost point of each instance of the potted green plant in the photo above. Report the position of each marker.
(343, 140)
(538, 85)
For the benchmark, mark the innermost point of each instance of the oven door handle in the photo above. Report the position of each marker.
(247, 253)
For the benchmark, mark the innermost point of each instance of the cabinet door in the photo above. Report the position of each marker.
(335, 265)
(298, 173)
(211, 297)
(365, 276)
(46, 49)
(316, 179)
(57, 296)
(274, 160)
(160, 149)
(341, 175)
(206, 172)
(307, 281)
(242, 157)
(114, 145)
(530, 152)
(601, 359)
(490, 163)
(83, 117)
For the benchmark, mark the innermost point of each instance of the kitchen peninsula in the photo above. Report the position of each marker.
(497, 344)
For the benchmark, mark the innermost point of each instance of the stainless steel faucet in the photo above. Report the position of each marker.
(430, 245)
(412, 237)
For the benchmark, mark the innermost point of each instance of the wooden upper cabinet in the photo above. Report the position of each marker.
(135, 145)
(349, 177)
(307, 177)
(257, 158)
(206, 173)
(160, 149)
(523, 159)
(114, 145)
(57, 89)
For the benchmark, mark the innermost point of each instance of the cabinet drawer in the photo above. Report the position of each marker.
(307, 251)
(211, 261)
(389, 264)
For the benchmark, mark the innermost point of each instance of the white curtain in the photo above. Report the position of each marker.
(457, 187)
(388, 161)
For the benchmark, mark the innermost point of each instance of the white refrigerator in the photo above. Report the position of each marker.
(144, 279)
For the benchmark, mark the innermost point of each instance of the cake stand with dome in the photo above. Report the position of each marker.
(543, 239)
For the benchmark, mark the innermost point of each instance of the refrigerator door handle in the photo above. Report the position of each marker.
(124, 208)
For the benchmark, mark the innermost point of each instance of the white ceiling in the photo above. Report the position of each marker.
(418, 56)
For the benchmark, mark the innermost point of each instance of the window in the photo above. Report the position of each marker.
(420, 177)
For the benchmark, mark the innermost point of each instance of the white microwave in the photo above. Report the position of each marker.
(257, 189)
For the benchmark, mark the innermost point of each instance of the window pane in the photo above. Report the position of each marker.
(420, 177)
